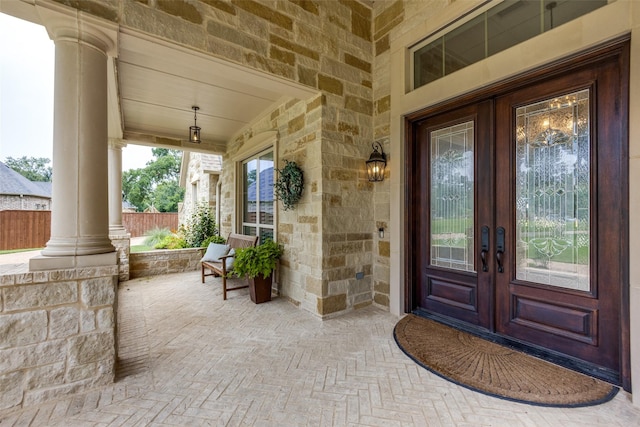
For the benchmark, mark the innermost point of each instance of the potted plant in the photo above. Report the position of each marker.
(257, 264)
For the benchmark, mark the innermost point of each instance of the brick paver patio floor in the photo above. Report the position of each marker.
(190, 358)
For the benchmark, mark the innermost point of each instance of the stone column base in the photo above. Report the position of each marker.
(43, 262)
(122, 243)
(58, 333)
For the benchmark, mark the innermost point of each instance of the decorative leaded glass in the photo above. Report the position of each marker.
(452, 189)
(552, 191)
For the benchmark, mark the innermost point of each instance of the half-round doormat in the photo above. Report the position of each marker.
(494, 369)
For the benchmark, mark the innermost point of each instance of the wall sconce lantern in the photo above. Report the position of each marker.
(376, 163)
(194, 131)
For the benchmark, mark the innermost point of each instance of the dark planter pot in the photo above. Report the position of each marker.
(260, 289)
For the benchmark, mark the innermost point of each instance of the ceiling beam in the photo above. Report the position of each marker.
(206, 146)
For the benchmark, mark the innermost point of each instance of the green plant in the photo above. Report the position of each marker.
(289, 185)
(172, 241)
(200, 226)
(259, 260)
(213, 239)
(140, 248)
(155, 236)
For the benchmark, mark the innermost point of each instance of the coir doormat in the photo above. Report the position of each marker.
(494, 369)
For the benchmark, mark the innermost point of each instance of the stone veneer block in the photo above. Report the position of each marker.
(24, 328)
(381, 287)
(181, 9)
(42, 295)
(7, 280)
(332, 304)
(165, 261)
(362, 305)
(360, 286)
(381, 299)
(266, 13)
(82, 372)
(24, 278)
(45, 376)
(62, 275)
(98, 291)
(11, 386)
(91, 348)
(33, 355)
(87, 320)
(384, 248)
(63, 322)
(105, 318)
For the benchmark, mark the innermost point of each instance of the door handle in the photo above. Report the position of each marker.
(500, 248)
(484, 246)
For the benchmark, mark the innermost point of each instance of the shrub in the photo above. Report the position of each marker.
(213, 239)
(155, 236)
(172, 241)
(200, 226)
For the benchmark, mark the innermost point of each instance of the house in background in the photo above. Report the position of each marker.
(199, 176)
(18, 193)
(127, 207)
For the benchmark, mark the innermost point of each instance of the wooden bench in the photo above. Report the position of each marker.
(235, 241)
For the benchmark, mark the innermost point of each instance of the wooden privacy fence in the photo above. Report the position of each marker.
(21, 229)
(138, 223)
(24, 229)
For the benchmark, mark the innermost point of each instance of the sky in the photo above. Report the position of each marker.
(26, 94)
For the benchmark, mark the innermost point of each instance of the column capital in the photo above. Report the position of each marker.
(66, 23)
(117, 144)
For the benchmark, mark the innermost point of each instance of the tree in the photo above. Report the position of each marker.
(32, 168)
(136, 188)
(156, 184)
(167, 196)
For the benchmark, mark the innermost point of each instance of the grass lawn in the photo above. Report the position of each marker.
(13, 251)
(141, 248)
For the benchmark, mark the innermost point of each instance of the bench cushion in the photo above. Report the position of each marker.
(214, 252)
(228, 261)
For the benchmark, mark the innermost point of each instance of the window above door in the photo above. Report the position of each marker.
(492, 28)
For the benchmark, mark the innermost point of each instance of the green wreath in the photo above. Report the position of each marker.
(289, 185)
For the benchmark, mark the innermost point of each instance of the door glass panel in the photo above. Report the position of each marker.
(452, 189)
(552, 191)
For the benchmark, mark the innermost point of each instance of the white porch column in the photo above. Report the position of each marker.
(80, 214)
(115, 187)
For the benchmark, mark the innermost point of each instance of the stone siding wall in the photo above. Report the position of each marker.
(26, 203)
(298, 125)
(57, 331)
(386, 23)
(206, 186)
(328, 46)
(165, 261)
(390, 21)
(122, 243)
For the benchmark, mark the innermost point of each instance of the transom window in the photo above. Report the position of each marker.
(491, 29)
(257, 196)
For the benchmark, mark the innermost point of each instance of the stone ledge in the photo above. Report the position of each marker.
(57, 275)
(164, 261)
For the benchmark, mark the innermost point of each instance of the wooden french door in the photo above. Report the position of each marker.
(517, 216)
(454, 200)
